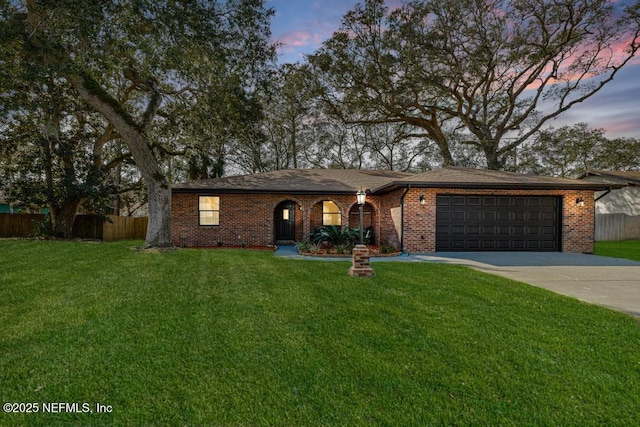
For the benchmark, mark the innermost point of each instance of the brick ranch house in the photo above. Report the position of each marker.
(449, 209)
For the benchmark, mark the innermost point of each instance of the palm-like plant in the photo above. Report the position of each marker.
(335, 235)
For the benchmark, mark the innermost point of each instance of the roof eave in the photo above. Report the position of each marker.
(261, 191)
(497, 186)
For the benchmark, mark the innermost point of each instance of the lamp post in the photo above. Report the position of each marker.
(361, 195)
(361, 266)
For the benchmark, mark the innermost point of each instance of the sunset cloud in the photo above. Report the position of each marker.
(301, 27)
(615, 108)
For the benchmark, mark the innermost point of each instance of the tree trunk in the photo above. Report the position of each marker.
(494, 162)
(433, 129)
(294, 144)
(62, 218)
(159, 228)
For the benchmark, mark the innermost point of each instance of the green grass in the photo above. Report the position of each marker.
(629, 249)
(232, 337)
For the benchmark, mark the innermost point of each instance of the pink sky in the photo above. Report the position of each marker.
(302, 25)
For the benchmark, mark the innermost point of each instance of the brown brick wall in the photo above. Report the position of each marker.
(390, 203)
(368, 216)
(577, 221)
(249, 219)
(316, 216)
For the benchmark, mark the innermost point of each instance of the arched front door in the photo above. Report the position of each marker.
(286, 221)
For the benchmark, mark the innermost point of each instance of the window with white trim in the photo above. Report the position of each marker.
(209, 210)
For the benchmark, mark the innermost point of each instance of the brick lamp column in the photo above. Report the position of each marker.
(360, 266)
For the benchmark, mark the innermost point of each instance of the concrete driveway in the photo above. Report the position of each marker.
(611, 282)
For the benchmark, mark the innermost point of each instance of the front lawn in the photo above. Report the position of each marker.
(629, 249)
(233, 337)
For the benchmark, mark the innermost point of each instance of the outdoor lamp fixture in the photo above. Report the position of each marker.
(422, 200)
(580, 201)
(361, 195)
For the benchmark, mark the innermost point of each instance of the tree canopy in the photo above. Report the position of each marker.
(570, 151)
(476, 69)
(138, 64)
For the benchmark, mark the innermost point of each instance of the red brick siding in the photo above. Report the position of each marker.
(249, 219)
(368, 216)
(577, 231)
(388, 232)
(299, 234)
(316, 216)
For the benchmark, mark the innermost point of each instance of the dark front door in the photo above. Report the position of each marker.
(497, 223)
(286, 221)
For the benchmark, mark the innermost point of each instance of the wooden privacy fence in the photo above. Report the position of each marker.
(617, 227)
(85, 226)
(19, 225)
(125, 228)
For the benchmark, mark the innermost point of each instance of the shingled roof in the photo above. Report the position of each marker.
(348, 181)
(631, 178)
(296, 181)
(457, 177)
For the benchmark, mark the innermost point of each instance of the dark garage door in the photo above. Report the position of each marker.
(497, 223)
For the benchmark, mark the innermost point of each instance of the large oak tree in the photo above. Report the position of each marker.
(480, 68)
(131, 61)
(55, 152)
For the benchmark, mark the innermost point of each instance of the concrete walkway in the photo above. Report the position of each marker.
(611, 282)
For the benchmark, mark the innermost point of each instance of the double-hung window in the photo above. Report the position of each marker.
(209, 210)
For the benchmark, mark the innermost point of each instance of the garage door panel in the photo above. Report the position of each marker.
(518, 230)
(441, 216)
(474, 201)
(533, 230)
(458, 216)
(488, 245)
(487, 230)
(457, 229)
(504, 201)
(518, 245)
(518, 202)
(443, 201)
(533, 202)
(472, 245)
(473, 230)
(518, 216)
(458, 245)
(502, 215)
(473, 216)
(503, 230)
(548, 216)
(487, 216)
(497, 223)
